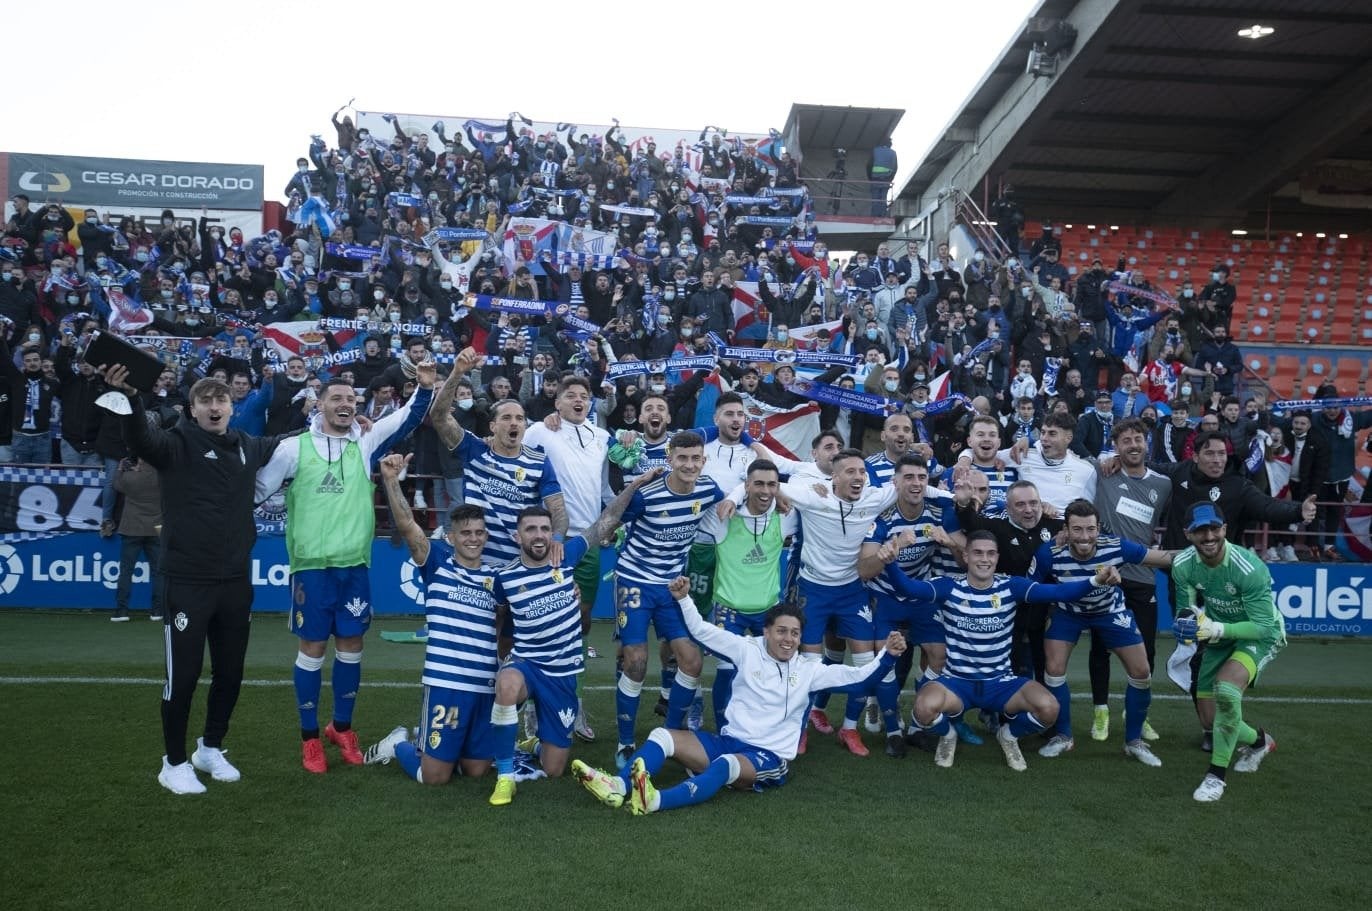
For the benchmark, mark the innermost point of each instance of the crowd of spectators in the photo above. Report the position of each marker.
(1018, 335)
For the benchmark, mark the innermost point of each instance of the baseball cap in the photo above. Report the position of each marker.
(1103, 394)
(1203, 515)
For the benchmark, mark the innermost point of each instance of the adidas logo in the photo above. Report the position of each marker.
(755, 556)
(330, 484)
(211, 455)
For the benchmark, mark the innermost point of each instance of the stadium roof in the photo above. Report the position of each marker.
(1162, 113)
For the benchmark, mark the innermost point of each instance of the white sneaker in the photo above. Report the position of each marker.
(383, 751)
(1142, 752)
(1247, 759)
(210, 759)
(947, 748)
(871, 717)
(1209, 790)
(1288, 554)
(419, 501)
(179, 779)
(1271, 555)
(582, 726)
(1009, 745)
(1056, 746)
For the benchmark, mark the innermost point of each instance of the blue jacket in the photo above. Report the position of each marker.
(250, 413)
(1127, 327)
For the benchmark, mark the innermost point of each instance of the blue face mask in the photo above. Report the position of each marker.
(872, 334)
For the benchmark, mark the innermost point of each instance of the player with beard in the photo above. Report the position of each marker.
(983, 442)
(330, 525)
(898, 438)
(543, 604)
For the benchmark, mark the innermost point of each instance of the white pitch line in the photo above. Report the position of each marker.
(396, 685)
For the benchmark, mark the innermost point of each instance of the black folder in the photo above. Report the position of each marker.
(106, 349)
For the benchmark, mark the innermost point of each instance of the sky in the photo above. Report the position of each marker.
(187, 81)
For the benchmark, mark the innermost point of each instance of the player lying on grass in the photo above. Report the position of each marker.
(762, 723)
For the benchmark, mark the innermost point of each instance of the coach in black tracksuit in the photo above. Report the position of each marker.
(207, 472)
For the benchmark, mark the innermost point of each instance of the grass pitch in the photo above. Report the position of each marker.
(87, 825)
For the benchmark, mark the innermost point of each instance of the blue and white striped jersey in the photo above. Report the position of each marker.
(459, 607)
(654, 456)
(917, 560)
(660, 527)
(979, 623)
(545, 610)
(880, 469)
(1056, 563)
(503, 486)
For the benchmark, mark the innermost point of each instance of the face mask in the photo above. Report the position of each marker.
(1026, 292)
(669, 294)
(431, 319)
(446, 286)
(978, 256)
(993, 335)
(100, 262)
(610, 186)
(892, 385)
(1150, 422)
(1186, 390)
(663, 318)
(379, 295)
(465, 404)
(782, 335)
(657, 388)
(344, 285)
(1215, 276)
(303, 169)
(436, 345)
(34, 337)
(73, 299)
(920, 377)
(687, 333)
(166, 294)
(872, 334)
(394, 316)
(665, 251)
(141, 256)
(192, 321)
(269, 302)
(1188, 293)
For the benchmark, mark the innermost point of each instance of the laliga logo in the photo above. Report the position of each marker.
(34, 180)
(410, 584)
(11, 568)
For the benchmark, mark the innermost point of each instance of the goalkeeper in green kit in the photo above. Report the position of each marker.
(1242, 629)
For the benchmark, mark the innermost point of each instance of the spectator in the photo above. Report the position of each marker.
(1221, 293)
(139, 527)
(1338, 427)
(1220, 358)
(31, 394)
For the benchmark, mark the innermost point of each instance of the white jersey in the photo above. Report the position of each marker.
(770, 697)
(834, 529)
(727, 466)
(579, 453)
(1059, 483)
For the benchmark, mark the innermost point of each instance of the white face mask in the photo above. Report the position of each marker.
(657, 388)
(686, 333)
(379, 295)
(446, 286)
(892, 385)
(979, 256)
(270, 301)
(1215, 276)
(394, 316)
(465, 404)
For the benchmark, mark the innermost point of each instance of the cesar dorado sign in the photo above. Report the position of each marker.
(105, 182)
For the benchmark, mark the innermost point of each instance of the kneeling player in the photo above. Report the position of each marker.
(758, 738)
(978, 613)
(460, 656)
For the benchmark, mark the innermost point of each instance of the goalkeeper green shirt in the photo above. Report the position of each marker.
(1237, 593)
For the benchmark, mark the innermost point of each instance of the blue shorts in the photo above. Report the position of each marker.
(919, 621)
(991, 695)
(1116, 629)
(555, 697)
(456, 724)
(637, 603)
(330, 602)
(739, 623)
(769, 769)
(846, 606)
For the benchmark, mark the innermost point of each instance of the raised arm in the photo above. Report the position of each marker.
(608, 520)
(405, 525)
(714, 638)
(441, 411)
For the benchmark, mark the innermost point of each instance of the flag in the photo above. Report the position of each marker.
(1356, 532)
(807, 337)
(748, 307)
(526, 239)
(940, 386)
(126, 316)
(305, 338)
(786, 431)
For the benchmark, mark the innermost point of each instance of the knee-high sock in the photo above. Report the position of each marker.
(941, 724)
(722, 689)
(627, 694)
(1058, 687)
(858, 692)
(684, 689)
(723, 771)
(309, 679)
(821, 700)
(1025, 723)
(654, 753)
(347, 677)
(1230, 728)
(888, 699)
(1136, 700)
(409, 759)
(924, 677)
(904, 665)
(504, 724)
(668, 677)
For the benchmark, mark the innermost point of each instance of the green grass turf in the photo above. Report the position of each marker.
(87, 825)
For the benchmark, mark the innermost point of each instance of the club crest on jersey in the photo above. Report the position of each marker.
(926, 530)
(488, 583)
(623, 618)
(1229, 587)
(299, 619)
(662, 514)
(557, 575)
(1152, 496)
(1214, 495)
(181, 622)
(519, 475)
(435, 739)
(695, 508)
(1045, 535)
(995, 601)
